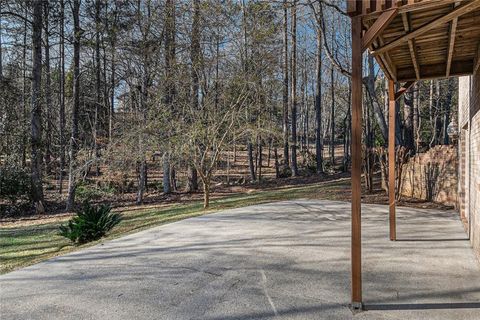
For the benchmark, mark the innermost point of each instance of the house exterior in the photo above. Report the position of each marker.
(469, 157)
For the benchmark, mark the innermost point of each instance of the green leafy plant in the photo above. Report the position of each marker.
(91, 223)
(15, 182)
(85, 192)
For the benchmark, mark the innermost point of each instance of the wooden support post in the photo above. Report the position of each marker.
(391, 159)
(356, 162)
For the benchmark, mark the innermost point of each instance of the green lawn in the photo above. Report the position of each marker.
(26, 245)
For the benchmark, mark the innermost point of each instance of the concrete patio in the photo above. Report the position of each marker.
(286, 260)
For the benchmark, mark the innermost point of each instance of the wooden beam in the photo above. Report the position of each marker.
(451, 41)
(411, 44)
(366, 7)
(410, 7)
(435, 71)
(476, 64)
(403, 89)
(356, 162)
(455, 13)
(451, 44)
(413, 53)
(354, 7)
(391, 159)
(377, 28)
(384, 67)
(383, 4)
(390, 67)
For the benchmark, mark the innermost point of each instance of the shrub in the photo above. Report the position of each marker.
(91, 223)
(285, 171)
(86, 193)
(14, 182)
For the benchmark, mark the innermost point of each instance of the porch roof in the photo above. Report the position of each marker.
(421, 39)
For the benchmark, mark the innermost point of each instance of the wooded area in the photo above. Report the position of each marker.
(97, 95)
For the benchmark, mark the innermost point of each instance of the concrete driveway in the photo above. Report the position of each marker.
(285, 260)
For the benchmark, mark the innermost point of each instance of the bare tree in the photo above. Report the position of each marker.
(48, 90)
(61, 86)
(76, 104)
(36, 120)
(318, 104)
(285, 84)
(195, 52)
(169, 81)
(294, 89)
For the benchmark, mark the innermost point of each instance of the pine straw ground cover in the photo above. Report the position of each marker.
(26, 242)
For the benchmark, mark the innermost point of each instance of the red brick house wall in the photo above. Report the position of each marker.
(469, 182)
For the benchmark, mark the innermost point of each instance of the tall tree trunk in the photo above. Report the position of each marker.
(348, 131)
(167, 189)
(304, 113)
(1, 57)
(142, 180)
(76, 105)
(98, 102)
(377, 108)
(48, 93)
(294, 89)
(286, 156)
(251, 163)
(416, 117)
(408, 119)
(24, 92)
(206, 192)
(434, 112)
(169, 75)
(36, 120)
(447, 110)
(195, 51)
(144, 102)
(62, 96)
(277, 165)
(260, 159)
(332, 118)
(111, 110)
(369, 137)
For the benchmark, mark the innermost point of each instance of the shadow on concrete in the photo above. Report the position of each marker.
(432, 240)
(422, 306)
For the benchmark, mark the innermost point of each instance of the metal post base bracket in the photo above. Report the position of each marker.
(356, 307)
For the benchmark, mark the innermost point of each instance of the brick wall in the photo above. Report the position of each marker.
(432, 176)
(469, 182)
(474, 159)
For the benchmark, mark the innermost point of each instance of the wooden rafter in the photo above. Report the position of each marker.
(476, 64)
(411, 6)
(455, 13)
(367, 6)
(352, 7)
(383, 66)
(377, 28)
(451, 42)
(411, 44)
(386, 60)
(403, 89)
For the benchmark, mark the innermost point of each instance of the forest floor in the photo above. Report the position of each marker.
(29, 239)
